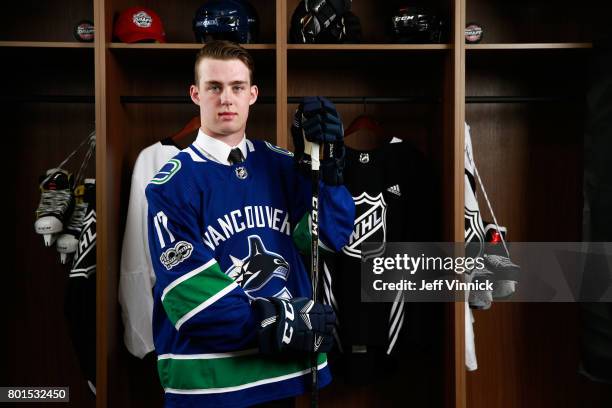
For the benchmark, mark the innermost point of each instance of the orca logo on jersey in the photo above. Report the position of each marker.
(166, 172)
(261, 273)
(177, 254)
(370, 223)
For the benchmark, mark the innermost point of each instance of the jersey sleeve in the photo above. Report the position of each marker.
(198, 298)
(336, 213)
(136, 277)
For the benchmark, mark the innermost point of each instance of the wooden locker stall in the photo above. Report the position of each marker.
(48, 107)
(525, 87)
(143, 98)
(146, 99)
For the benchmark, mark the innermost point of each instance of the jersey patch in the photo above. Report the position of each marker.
(177, 254)
(278, 149)
(370, 223)
(167, 172)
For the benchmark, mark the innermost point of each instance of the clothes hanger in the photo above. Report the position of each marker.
(185, 135)
(365, 122)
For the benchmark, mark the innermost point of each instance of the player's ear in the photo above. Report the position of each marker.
(194, 92)
(254, 92)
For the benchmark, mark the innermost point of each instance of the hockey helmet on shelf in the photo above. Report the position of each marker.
(233, 20)
(313, 17)
(414, 24)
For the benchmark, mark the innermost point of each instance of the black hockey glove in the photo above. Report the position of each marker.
(298, 324)
(316, 120)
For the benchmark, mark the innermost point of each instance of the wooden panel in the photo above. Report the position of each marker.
(457, 317)
(530, 159)
(45, 44)
(102, 315)
(412, 74)
(37, 349)
(281, 76)
(527, 46)
(179, 46)
(368, 47)
(528, 356)
(31, 20)
(543, 21)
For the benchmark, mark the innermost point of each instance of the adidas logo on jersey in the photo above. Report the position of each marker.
(395, 190)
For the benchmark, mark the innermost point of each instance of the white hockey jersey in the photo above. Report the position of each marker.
(137, 278)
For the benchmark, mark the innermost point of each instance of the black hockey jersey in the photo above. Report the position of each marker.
(80, 302)
(395, 201)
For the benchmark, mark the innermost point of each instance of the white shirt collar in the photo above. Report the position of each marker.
(217, 150)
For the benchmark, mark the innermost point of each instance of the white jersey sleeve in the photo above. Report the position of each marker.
(137, 277)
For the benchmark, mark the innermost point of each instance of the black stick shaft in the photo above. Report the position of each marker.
(314, 263)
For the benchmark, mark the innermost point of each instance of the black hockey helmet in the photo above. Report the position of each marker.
(344, 30)
(234, 20)
(312, 17)
(415, 24)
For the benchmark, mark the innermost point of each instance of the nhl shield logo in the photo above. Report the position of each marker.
(370, 223)
(241, 172)
(364, 158)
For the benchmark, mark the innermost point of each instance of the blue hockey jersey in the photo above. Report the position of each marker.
(219, 237)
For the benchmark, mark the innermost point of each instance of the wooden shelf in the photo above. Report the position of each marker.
(45, 44)
(368, 47)
(529, 46)
(180, 46)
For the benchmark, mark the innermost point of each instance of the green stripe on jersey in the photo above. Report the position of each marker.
(302, 237)
(195, 291)
(229, 371)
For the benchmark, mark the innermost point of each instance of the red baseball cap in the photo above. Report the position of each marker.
(139, 24)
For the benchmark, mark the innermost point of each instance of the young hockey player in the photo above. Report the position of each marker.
(233, 322)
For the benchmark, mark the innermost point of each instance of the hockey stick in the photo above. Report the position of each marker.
(314, 256)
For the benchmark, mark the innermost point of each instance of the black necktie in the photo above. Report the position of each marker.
(235, 156)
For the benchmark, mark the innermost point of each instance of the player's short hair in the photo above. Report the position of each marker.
(224, 50)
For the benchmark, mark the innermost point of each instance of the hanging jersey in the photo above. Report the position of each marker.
(474, 241)
(137, 278)
(80, 302)
(395, 202)
(474, 227)
(219, 237)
